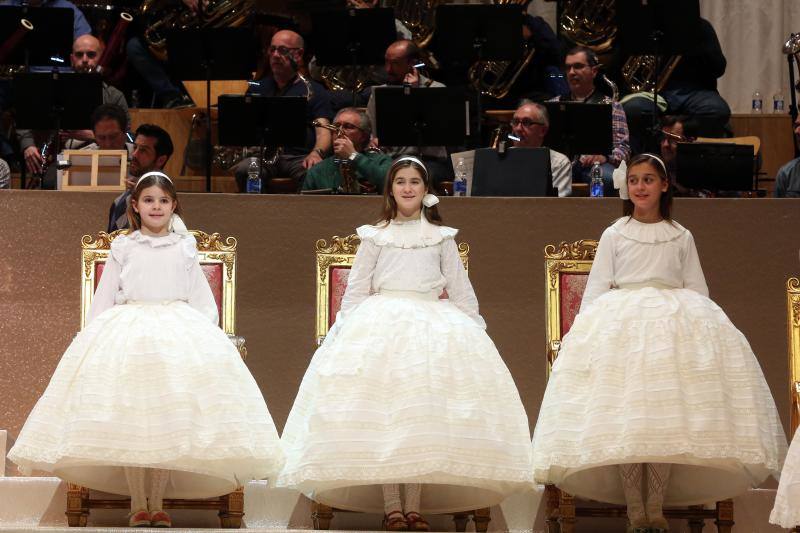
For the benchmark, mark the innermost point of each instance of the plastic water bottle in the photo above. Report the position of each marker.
(758, 102)
(460, 183)
(596, 183)
(253, 178)
(777, 102)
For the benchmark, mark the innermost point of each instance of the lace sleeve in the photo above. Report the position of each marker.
(693, 277)
(601, 277)
(105, 296)
(359, 282)
(458, 286)
(200, 297)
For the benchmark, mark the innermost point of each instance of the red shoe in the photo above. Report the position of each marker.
(140, 518)
(160, 519)
(395, 521)
(416, 522)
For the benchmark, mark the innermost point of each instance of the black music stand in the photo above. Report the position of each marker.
(50, 41)
(577, 128)
(517, 172)
(356, 37)
(421, 116)
(659, 28)
(264, 121)
(715, 166)
(56, 100)
(211, 54)
(475, 32)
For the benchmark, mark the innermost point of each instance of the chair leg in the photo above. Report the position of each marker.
(724, 519)
(77, 505)
(481, 517)
(321, 515)
(566, 515)
(460, 520)
(232, 511)
(551, 509)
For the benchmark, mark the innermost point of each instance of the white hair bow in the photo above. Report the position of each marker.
(620, 177)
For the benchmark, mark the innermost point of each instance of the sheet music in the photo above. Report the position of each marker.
(469, 162)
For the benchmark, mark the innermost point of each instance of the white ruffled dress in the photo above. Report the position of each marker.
(786, 512)
(653, 371)
(407, 387)
(152, 381)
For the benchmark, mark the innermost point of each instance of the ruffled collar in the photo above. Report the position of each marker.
(655, 232)
(156, 242)
(407, 234)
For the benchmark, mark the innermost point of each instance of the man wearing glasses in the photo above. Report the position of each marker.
(530, 124)
(581, 67)
(285, 57)
(350, 149)
(86, 52)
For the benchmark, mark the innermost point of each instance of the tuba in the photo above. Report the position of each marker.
(495, 78)
(589, 23)
(161, 17)
(639, 73)
(417, 16)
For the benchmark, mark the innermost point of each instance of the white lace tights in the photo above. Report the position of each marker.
(644, 485)
(136, 483)
(391, 498)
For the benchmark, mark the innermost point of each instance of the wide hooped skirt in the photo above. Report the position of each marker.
(786, 512)
(661, 376)
(155, 386)
(407, 389)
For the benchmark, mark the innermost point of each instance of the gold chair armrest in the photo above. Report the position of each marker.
(320, 340)
(552, 352)
(239, 342)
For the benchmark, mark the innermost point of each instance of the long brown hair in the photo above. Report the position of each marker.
(389, 210)
(154, 179)
(665, 201)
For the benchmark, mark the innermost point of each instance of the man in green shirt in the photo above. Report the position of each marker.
(349, 148)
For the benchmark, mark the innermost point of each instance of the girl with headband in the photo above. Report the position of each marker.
(655, 398)
(407, 391)
(151, 399)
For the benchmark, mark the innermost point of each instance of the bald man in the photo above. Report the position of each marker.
(86, 52)
(285, 55)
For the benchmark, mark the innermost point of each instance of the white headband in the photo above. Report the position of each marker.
(412, 159)
(153, 173)
(658, 159)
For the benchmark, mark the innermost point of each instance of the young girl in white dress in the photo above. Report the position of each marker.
(407, 388)
(152, 399)
(655, 397)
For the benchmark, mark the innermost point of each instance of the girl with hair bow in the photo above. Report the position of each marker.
(151, 399)
(407, 391)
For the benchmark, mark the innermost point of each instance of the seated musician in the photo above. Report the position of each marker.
(86, 52)
(530, 124)
(690, 90)
(352, 163)
(400, 58)
(285, 55)
(787, 182)
(581, 66)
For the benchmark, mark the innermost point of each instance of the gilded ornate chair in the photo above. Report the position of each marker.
(334, 261)
(567, 267)
(793, 305)
(218, 261)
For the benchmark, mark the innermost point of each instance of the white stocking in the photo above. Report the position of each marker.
(413, 493)
(631, 476)
(391, 498)
(158, 484)
(657, 481)
(135, 478)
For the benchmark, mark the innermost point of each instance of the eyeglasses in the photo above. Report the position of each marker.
(282, 50)
(575, 66)
(346, 126)
(91, 54)
(526, 122)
